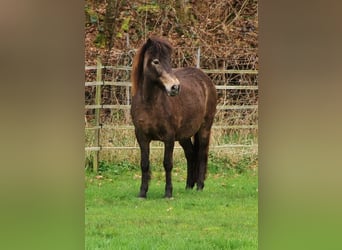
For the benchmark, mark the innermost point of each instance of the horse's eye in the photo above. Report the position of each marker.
(155, 61)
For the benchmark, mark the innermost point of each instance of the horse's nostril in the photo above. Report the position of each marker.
(174, 90)
(175, 87)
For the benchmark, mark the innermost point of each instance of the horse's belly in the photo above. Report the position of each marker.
(186, 132)
(164, 128)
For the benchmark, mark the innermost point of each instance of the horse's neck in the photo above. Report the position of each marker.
(150, 91)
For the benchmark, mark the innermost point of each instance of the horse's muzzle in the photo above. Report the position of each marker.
(171, 84)
(174, 90)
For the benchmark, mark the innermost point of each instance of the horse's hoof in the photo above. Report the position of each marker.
(142, 196)
(169, 197)
(189, 185)
(200, 187)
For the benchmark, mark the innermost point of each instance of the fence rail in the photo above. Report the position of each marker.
(208, 71)
(132, 127)
(128, 84)
(127, 107)
(99, 148)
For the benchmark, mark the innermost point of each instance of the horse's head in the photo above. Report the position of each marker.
(157, 65)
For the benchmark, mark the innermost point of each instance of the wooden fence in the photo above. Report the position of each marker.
(98, 127)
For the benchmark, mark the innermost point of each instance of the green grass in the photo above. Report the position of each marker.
(222, 216)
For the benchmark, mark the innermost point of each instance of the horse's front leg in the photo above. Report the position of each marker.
(145, 165)
(168, 165)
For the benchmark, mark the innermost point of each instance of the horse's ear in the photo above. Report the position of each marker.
(149, 42)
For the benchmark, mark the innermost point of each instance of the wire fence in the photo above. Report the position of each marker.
(108, 98)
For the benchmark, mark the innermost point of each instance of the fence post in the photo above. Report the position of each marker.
(128, 102)
(97, 114)
(198, 62)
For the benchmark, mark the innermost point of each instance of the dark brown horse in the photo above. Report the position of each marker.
(171, 105)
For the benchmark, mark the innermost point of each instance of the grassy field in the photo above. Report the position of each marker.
(222, 216)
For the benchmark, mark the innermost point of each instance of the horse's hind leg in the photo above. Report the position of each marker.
(188, 148)
(202, 145)
(168, 165)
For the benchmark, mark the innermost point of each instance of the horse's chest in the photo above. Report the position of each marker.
(156, 130)
(156, 126)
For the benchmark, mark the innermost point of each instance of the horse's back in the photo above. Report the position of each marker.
(192, 73)
(195, 82)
